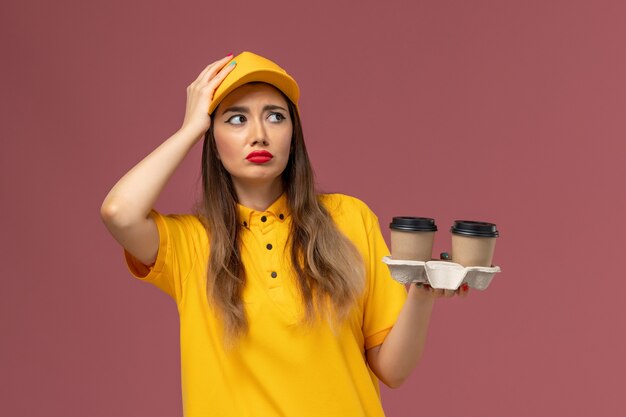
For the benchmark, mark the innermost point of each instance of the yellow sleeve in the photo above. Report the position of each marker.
(176, 256)
(385, 297)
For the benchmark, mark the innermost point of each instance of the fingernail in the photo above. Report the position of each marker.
(465, 286)
(232, 63)
(230, 54)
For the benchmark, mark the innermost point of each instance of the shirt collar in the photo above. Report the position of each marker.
(278, 210)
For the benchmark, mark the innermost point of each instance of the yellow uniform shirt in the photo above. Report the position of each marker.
(279, 368)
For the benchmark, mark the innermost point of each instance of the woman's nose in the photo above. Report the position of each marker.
(258, 133)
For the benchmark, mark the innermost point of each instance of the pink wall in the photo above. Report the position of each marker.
(505, 111)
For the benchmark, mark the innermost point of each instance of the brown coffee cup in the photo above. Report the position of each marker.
(473, 242)
(412, 238)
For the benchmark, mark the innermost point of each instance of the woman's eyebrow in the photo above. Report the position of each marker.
(242, 109)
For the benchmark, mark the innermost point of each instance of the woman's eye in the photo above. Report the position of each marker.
(230, 120)
(279, 117)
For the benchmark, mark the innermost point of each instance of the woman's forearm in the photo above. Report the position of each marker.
(134, 195)
(403, 346)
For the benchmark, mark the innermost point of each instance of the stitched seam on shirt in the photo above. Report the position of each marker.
(375, 336)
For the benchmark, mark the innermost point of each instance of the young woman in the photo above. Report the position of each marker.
(285, 306)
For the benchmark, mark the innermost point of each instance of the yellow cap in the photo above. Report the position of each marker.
(252, 67)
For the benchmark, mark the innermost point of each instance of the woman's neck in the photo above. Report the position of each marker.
(258, 196)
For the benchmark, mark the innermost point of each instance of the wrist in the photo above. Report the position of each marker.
(426, 298)
(193, 134)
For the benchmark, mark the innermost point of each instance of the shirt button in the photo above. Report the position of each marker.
(274, 274)
(280, 216)
(269, 246)
(263, 219)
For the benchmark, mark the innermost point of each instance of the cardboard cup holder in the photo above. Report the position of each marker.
(440, 274)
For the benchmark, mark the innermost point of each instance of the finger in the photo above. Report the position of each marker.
(220, 70)
(211, 87)
(448, 293)
(423, 287)
(206, 69)
(212, 65)
(438, 292)
(464, 290)
(214, 82)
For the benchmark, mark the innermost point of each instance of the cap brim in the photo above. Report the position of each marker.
(278, 79)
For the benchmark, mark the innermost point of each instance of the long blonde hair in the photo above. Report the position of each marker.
(328, 267)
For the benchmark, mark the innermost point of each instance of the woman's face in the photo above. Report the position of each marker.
(253, 130)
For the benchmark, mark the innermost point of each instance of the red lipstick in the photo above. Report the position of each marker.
(259, 157)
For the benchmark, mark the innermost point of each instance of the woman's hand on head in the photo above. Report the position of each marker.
(200, 95)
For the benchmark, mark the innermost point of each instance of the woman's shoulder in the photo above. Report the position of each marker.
(337, 200)
(184, 223)
(345, 206)
(194, 220)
